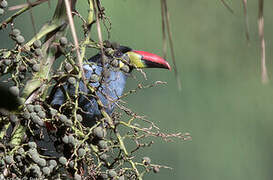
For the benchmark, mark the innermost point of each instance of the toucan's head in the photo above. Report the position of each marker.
(140, 59)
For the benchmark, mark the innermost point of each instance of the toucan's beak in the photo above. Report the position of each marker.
(142, 59)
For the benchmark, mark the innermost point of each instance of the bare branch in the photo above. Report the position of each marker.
(227, 6)
(75, 37)
(262, 41)
(246, 19)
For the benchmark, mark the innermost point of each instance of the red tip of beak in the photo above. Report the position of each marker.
(154, 59)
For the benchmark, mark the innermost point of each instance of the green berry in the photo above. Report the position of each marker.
(63, 118)
(42, 114)
(38, 52)
(121, 178)
(77, 177)
(63, 41)
(102, 144)
(75, 142)
(53, 112)
(146, 160)
(36, 67)
(46, 171)
(9, 159)
(68, 122)
(81, 152)
(18, 158)
(34, 117)
(71, 139)
(68, 67)
(42, 162)
(53, 163)
(156, 169)
(33, 151)
(72, 80)
(112, 173)
(30, 108)
(36, 169)
(65, 139)
(37, 44)
(35, 157)
(103, 157)
(2, 11)
(4, 4)
(63, 160)
(79, 117)
(13, 118)
(16, 32)
(20, 39)
(71, 164)
(99, 132)
(38, 108)
(7, 62)
(21, 151)
(22, 68)
(40, 122)
(32, 144)
(32, 61)
(14, 90)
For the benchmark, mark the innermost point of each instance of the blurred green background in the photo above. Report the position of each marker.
(222, 103)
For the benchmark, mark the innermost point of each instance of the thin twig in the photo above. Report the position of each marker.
(18, 13)
(262, 41)
(227, 6)
(32, 18)
(163, 30)
(171, 44)
(96, 9)
(28, 4)
(74, 35)
(246, 19)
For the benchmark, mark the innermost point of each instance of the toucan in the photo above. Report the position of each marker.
(117, 65)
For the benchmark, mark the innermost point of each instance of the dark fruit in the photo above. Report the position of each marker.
(4, 4)
(63, 41)
(99, 132)
(63, 160)
(32, 145)
(156, 169)
(36, 67)
(102, 144)
(16, 32)
(20, 39)
(112, 173)
(146, 160)
(37, 44)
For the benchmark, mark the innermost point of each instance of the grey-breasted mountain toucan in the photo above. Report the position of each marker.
(118, 66)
